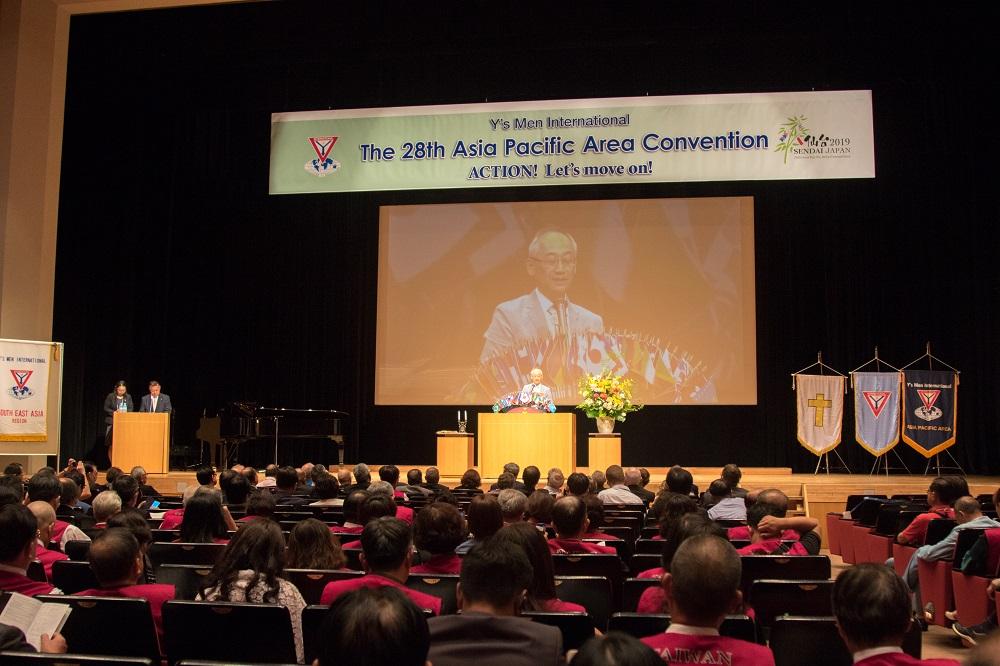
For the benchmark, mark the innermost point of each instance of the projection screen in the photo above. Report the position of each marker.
(471, 297)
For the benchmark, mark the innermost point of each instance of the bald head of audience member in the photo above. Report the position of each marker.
(703, 584)
(512, 505)
(379, 624)
(115, 558)
(352, 504)
(776, 499)
(386, 544)
(967, 509)
(633, 476)
(872, 606)
(569, 517)
(432, 476)
(46, 517)
(344, 477)
(495, 578)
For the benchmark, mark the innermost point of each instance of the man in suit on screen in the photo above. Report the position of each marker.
(546, 312)
(155, 401)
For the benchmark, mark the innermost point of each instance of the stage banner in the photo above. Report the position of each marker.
(876, 410)
(758, 136)
(930, 410)
(24, 381)
(820, 400)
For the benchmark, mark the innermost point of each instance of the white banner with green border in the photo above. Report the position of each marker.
(768, 136)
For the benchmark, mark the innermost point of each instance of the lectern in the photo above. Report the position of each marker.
(539, 439)
(143, 439)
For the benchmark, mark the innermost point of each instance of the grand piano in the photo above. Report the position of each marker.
(247, 422)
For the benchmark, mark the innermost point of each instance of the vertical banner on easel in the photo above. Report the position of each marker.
(876, 410)
(930, 410)
(24, 382)
(820, 401)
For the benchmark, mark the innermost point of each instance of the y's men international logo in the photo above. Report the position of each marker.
(927, 411)
(20, 390)
(799, 142)
(323, 165)
(877, 400)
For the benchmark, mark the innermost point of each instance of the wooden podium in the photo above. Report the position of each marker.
(542, 440)
(455, 452)
(140, 438)
(605, 450)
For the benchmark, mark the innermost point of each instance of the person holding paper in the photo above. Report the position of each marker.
(19, 528)
(546, 312)
(12, 640)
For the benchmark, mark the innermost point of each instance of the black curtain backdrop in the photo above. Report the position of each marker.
(174, 263)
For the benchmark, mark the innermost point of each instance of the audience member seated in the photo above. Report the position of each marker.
(11, 488)
(390, 474)
(513, 469)
(872, 606)
(385, 489)
(496, 576)
(597, 481)
(438, 531)
(128, 489)
(554, 482)
(941, 495)
(701, 588)
(46, 517)
(471, 481)
(505, 481)
(206, 476)
(45, 487)
(259, 505)
(69, 498)
(142, 479)
(373, 508)
(135, 523)
(235, 490)
(250, 474)
(569, 517)
(352, 521)
(250, 569)
(269, 480)
(12, 639)
(577, 484)
(206, 520)
(172, 518)
(117, 562)
(618, 493)
(311, 545)
(595, 518)
(542, 590)
(672, 506)
(637, 485)
(530, 478)
(512, 505)
(326, 489)
(18, 546)
(615, 648)
(791, 528)
(678, 480)
(432, 481)
(414, 486)
(286, 480)
(376, 626)
(104, 507)
(767, 541)
(686, 527)
(386, 552)
(724, 506)
(538, 510)
(362, 478)
(484, 518)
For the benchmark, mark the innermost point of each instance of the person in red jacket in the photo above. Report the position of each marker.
(117, 563)
(702, 587)
(569, 517)
(18, 543)
(764, 542)
(872, 606)
(438, 531)
(941, 495)
(46, 516)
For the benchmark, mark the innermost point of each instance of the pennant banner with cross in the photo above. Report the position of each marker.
(820, 400)
(876, 410)
(930, 410)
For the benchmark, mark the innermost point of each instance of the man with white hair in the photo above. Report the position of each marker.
(385, 489)
(546, 312)
(535, 391)
(104, 507)
(512, 505)
(554, 483)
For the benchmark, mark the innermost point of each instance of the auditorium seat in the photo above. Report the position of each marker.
(641, 625)
(36, 571)
(833, 531)
(622, 547)
(591, 592)
(438, 585)
(641, 562)
(971, 601)
(936, 577)
(576, 628)
(202, 662)
(165, 536)
(72, 659)
(353, 555)
(264, 631)
(649, 546)
(623, 533)
(310, 582)
(606, 565)
(114, 626)
(796, 640)
(632, 589)
(774, 598)
(783, 567)
(184, 553)
(186, 578)
(312, 618)
(72, 577)
(77, 549)
(633, 523)
(649, 531)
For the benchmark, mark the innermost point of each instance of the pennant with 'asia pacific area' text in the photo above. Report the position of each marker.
(930, 410)
(876, 410)
(820, 400)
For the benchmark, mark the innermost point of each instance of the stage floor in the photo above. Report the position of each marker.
(819, 493)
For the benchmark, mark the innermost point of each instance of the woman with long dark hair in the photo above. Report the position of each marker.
(311, 545)
(542, 593)
(205, 519)
(251, 568)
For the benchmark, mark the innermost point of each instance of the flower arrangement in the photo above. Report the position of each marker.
(607, 396)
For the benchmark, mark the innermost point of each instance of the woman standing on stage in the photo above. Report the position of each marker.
(117, 401)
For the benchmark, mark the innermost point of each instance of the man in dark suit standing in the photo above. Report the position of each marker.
(155, 401)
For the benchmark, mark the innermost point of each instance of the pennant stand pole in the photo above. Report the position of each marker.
(824, 459)
(937, 457)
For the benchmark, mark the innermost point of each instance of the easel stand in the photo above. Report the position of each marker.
(938, 466)
(824, 460)
(882, 462)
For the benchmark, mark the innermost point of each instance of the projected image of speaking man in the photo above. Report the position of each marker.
(546, 312)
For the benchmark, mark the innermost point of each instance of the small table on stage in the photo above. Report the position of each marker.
(456, 452)
(541, 439)
(143, 439)
(604, 450)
